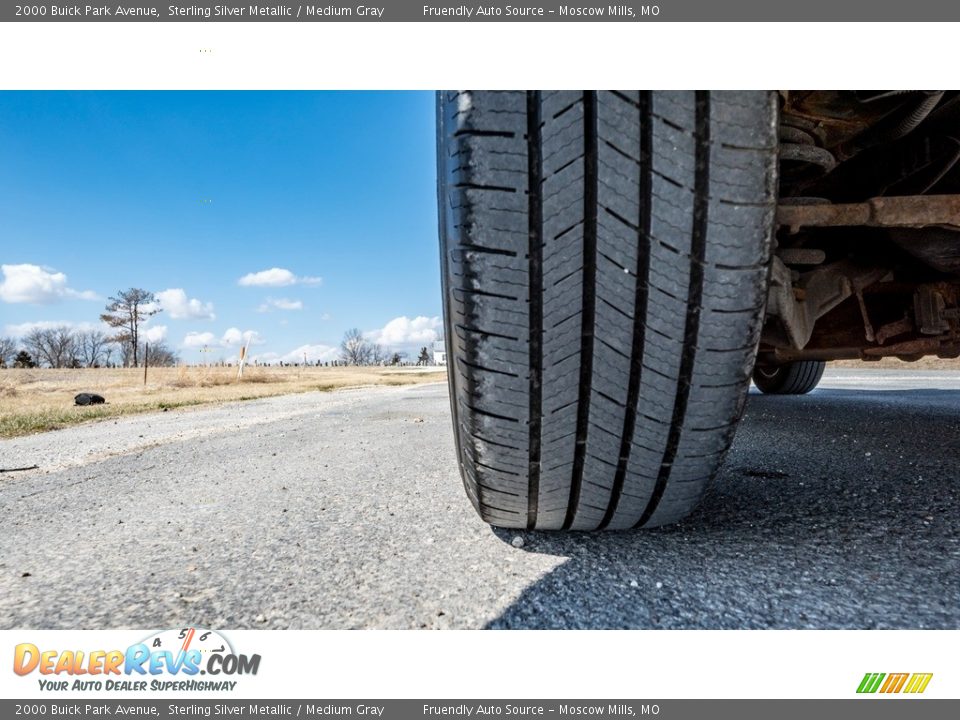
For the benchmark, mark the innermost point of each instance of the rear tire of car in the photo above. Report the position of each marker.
(796, 378)
(605, 262)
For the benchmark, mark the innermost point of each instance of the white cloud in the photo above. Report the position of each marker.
(280, 304)
(402, 331)
(21, 329)
(231, 338)
(82, 294)
(234, 336)
(276, 277)
(34, 284)
(195, 339)
(178, 306)
(313, 353)
(155, 334)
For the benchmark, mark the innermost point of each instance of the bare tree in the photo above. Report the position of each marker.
(92, 347)
(424, 357)
(355, 349)
(63, 343)
(378, 355)
(126, 313)
(159, 354)
(125, 351)
(8, 349)
(54, 346)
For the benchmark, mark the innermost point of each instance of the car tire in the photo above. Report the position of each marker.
(796, 378)
(605, 263)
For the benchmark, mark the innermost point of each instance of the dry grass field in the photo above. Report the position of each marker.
(41, 399)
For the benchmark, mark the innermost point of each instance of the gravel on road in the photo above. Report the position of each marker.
(838, 509)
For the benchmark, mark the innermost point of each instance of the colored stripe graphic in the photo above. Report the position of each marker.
(918, 682)
(895, 683)
(870, 682)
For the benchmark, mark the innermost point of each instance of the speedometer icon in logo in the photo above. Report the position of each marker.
(182, 640)
(192, 651)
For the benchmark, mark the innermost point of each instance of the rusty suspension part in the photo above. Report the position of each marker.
(915, 211)
(908, 351)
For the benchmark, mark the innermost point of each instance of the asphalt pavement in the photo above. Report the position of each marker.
(838, 509)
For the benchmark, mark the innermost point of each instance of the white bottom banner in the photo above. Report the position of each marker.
(206, 663)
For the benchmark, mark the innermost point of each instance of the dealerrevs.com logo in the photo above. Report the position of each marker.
(911, 683)
(169, 660)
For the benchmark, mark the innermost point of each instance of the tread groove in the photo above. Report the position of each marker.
(639, 304)
(478, 186)
(476, 366)
(588, 297)
(487, 333)
(489, 250)
(483, 133)
(535, 284)
(698, 246)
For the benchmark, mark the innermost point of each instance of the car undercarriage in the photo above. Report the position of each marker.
(867, 259)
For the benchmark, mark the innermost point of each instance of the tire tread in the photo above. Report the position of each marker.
(615, 247)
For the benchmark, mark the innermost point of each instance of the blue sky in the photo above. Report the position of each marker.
(293, 216)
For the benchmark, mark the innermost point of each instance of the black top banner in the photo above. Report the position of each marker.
(490, 11)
